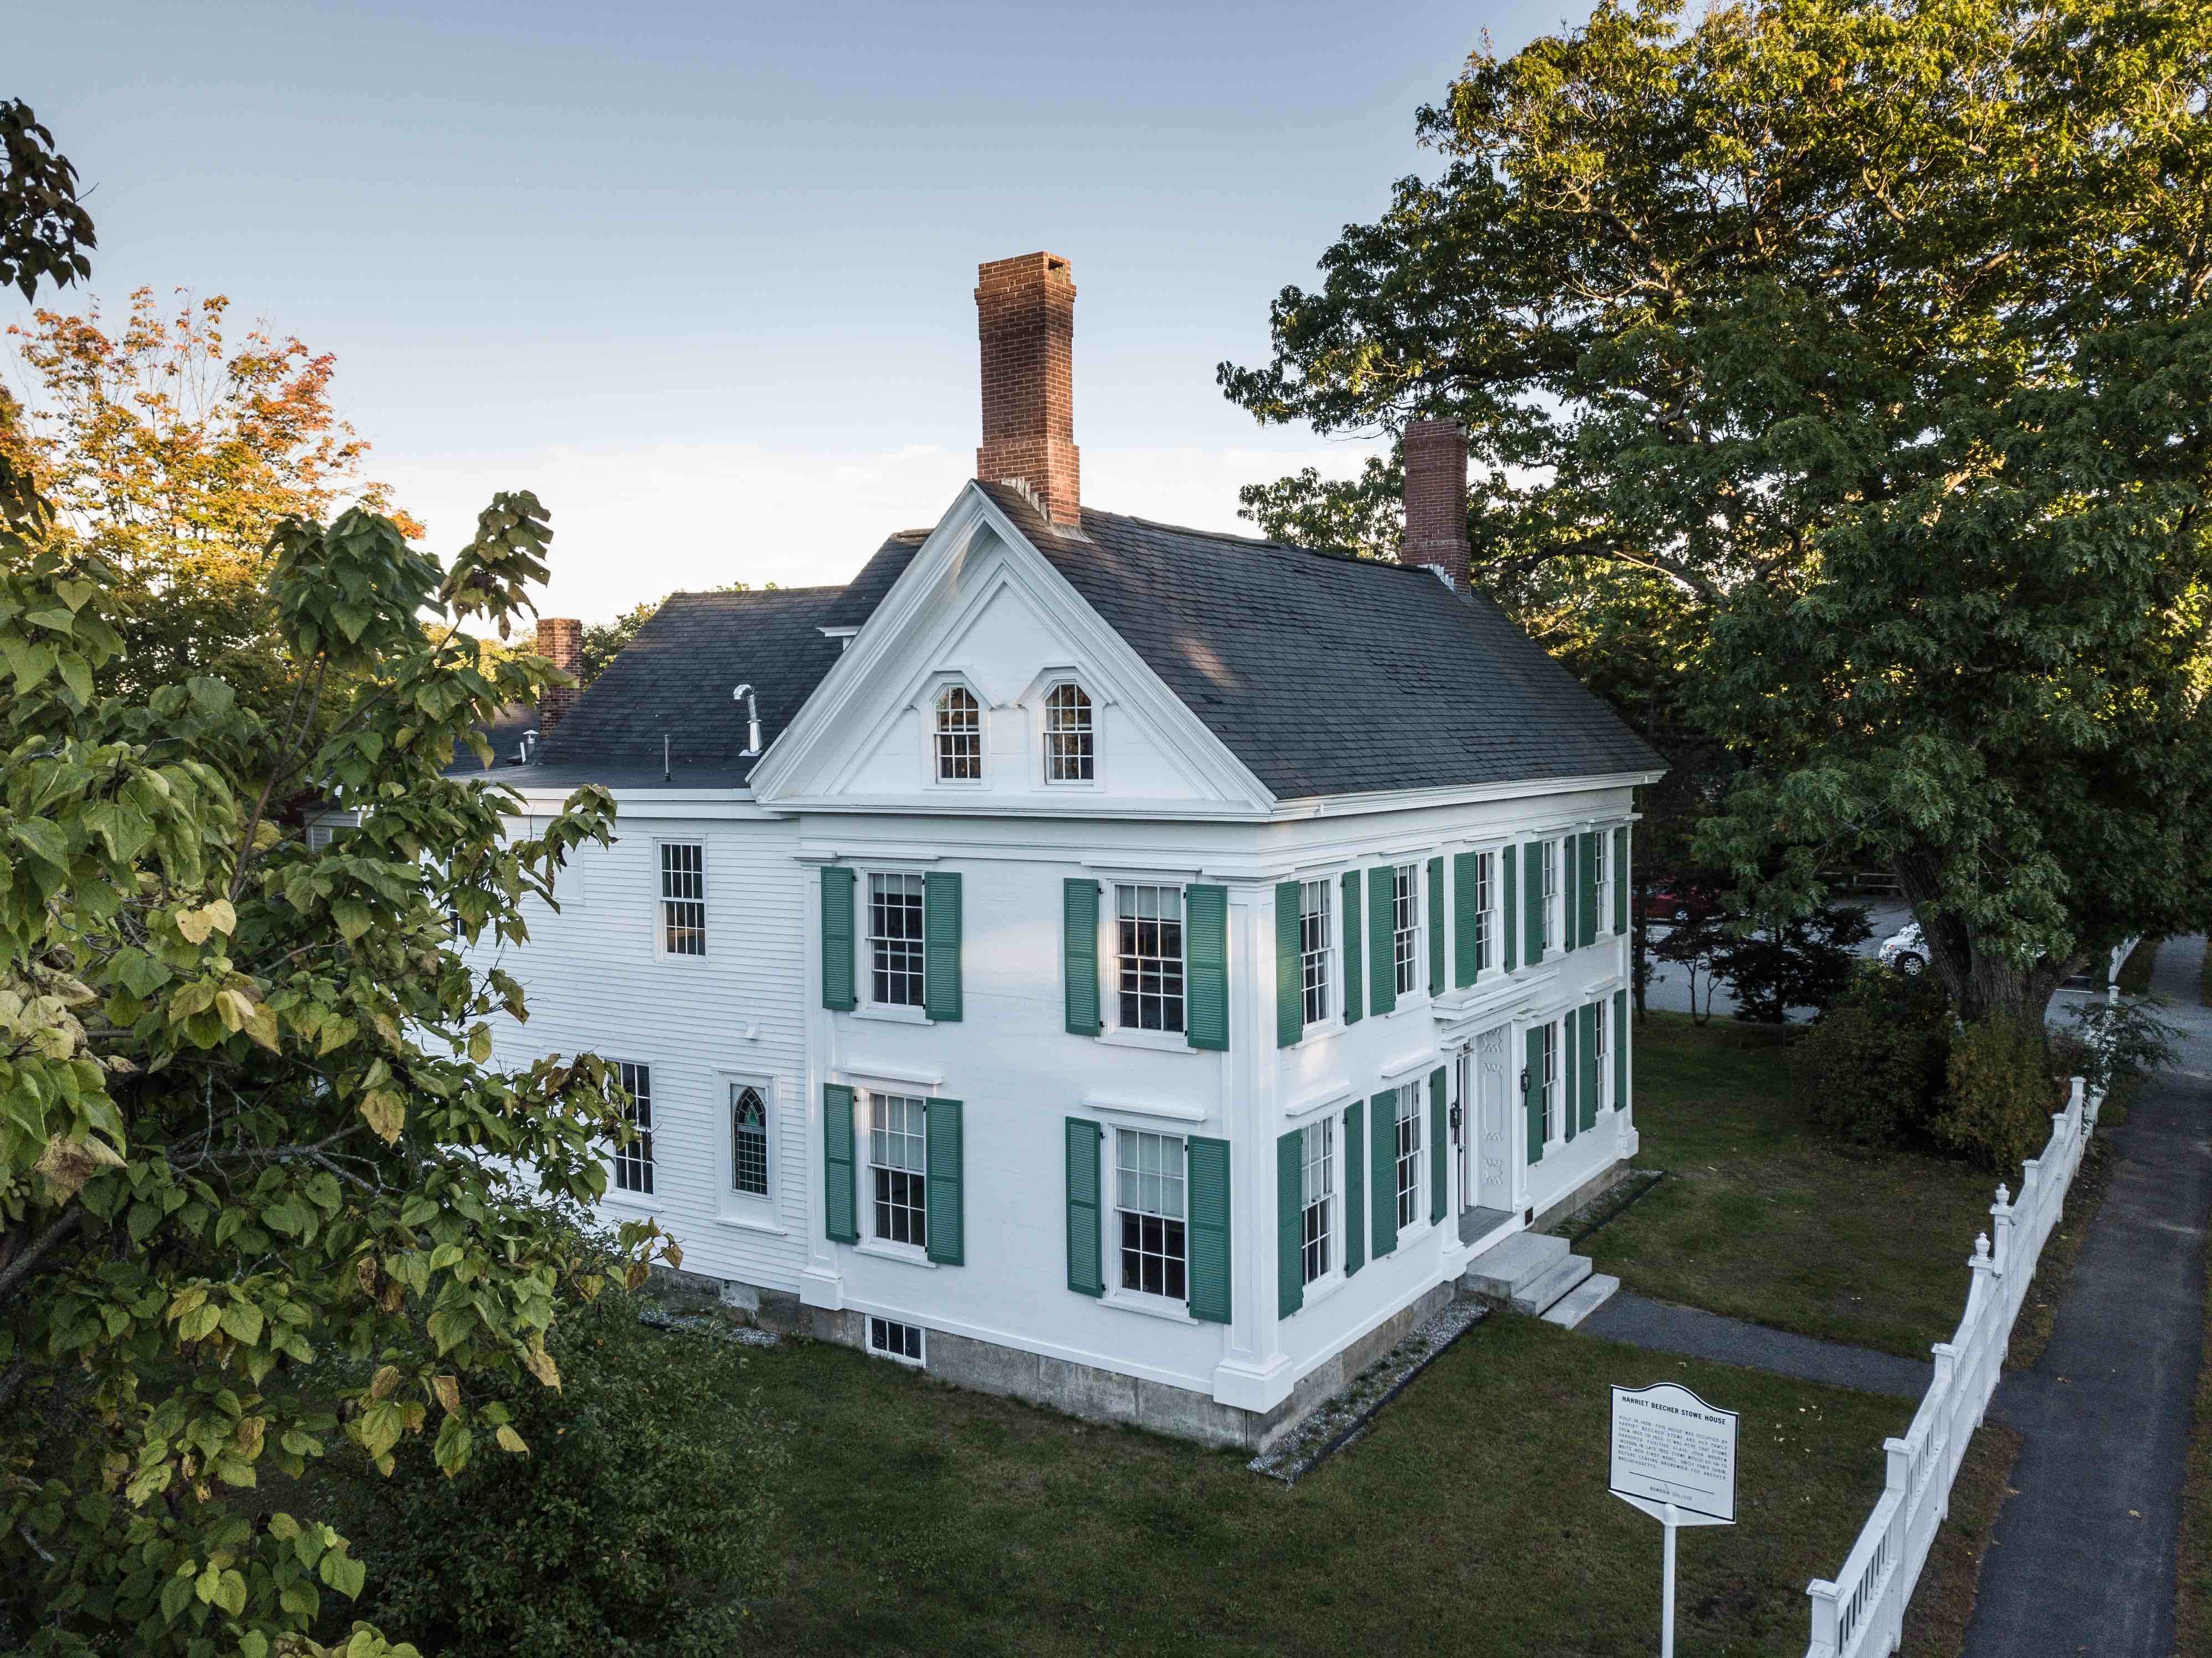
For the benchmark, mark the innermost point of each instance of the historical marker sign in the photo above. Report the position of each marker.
(1670, 1446)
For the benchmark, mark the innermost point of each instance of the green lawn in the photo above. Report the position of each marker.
(1472, 1517)
(1764, 1216)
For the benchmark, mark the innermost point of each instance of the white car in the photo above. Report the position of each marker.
(1905, 950)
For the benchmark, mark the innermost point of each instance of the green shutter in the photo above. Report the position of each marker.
(836, 937)
(1207, 1196)
(1570, 913)
(1464, 916)
(1078, 955)
(1437, 919)
(1355, 1185)
(1589, 895)
(1586, 1068)
(1509, 908)
(941, 978)
(1382, 959)
(1532, 1093)
(1619, 1048)
(1206, 967)
(1355, 981)
(1532, 903)
(1290, 978)
(840, 1222)
(1621, 879)
(1289, 1216)
(1439, 1148)
(948, 1228)
(1567, 1125)
(1085, 1265)
(1382, 1171)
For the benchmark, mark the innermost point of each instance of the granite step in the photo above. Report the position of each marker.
(1579, 1303)
(1541, 1296)
(1503, 1271)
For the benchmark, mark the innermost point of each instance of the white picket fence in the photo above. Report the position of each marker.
(1862, 1613)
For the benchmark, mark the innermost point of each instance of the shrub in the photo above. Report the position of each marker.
(1872, 1070)
(1997, 1097)
(1807, 962)
(634, 1525)
(2115, 1042)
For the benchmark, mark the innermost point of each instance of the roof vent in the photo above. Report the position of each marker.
(744, 694)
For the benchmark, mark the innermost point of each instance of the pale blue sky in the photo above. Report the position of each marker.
(702, 276)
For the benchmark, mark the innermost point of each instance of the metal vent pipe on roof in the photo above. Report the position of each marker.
(744, 694)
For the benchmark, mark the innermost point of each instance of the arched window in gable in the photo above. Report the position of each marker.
(1071, 753)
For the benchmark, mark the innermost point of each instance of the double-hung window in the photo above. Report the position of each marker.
(897, 956)
(748, 1141)
(1406, 927)
(683, 898)
(1549, 908)
(1602, 873)
(1070, 744)
(1550, 1083)
(1482, 903)
(1604, 1069)
(959, 736)
(1149, 1195)
(1148, 956)
(1317, 1200)
(1409, 1154)
(898, 1167)
(633, 1158)
(1314, 945)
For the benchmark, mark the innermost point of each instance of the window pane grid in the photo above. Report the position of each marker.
(1318, 1187)
(1149, 1194)
(1551, 892)
(1482, 913)
(1409, 1154)
(749, 1143)
(1406, 927)
(634, 1161)
(1604, 1071)
(1313, 948)
(959, 737)
(895, 939)
(1551, 1082)
(1148, 921)
(898, 1163)
(1604, 876)
(683, 898)
(1069, 754)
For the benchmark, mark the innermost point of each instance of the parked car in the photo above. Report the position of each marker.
(1677, 902)
(1905, 950)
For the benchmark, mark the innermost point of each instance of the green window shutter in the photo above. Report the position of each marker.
(1620, 1050)
(1532, 1095)
(1567, 1124)
(1532, 903)
(1509, 907)
(836, 939)
(1290, 976)
(1206, 967)
(941, 980)
(1586, 1064)
(1290, 1220)
(1588, 893)
(1355, 1185)
(1087, 1273)
(1206, 1189)
(1621, 879)
(1078, 955)
(1437, 919)
(1382, 959)
(1439, 1148)
(840, 1221)
(1464, 915)
(1382, 1171)
(1570, 912)
(948, 1228)
(1355, 981)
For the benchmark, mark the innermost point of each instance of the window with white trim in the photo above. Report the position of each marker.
(683, 898)
(1604, 1040)
(634, 1158)
(1148, 956)
(959, 736)
(898, 1167)
(1409, 1154)
(1482, 901)
(1315, 943)
(897, 956)
(1317, 1200)
(1070, 744)
(1550, 1083)
(1406, 927)
(1149, 1199)
(748, 1140)
(888, 1339)
(1549, 910)
(1602, 863)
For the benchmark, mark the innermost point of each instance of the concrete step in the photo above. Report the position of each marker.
(1539, 1297)
(1579, 1303)
(1505, 1269)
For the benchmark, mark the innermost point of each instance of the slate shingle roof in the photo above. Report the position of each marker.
(865, 591)
(1327, 674)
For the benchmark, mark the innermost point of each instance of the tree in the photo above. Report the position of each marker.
(1803, 961)
(260, 1189)
(605, 641)
(1876, 328)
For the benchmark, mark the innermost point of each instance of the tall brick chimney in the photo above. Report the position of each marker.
(1026, 314)
(1435, 453)
(562, 639)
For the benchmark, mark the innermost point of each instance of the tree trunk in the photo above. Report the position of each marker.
(1982, 983)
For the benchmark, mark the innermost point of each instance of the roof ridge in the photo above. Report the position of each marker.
(1341, 555)
(757, 592)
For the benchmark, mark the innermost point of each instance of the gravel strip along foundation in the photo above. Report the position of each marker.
(653, 1316)
(1345, 1416)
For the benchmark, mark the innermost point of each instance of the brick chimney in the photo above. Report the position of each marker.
(562, 639)
(1435, 453)
(1026, 314)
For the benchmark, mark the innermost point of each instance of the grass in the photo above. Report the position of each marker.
(2134, 972)
(1764, 1217)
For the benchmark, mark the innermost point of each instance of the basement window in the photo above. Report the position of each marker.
(893, 1341)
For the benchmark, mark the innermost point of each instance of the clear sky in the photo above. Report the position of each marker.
(701, 274)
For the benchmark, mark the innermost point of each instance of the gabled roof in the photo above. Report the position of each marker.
(1328, 674)
(858, 602)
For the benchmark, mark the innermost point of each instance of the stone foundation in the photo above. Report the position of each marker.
(1598, 1184)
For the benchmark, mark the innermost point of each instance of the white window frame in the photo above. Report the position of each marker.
(917, 1360)
(616, 1154)
(1408, 1109)
(865, 991)
(1487, 957)
(876, 1102)
(1045, 733)
(734, 1085)
(1602, 840)
(932, 759)
(1109, 945)
(1331, 1270)
(1604, 1021)
(661, 900)
(1409, 962)
(1554, 1118)
(1550, 907)
(1116, 1291)
(1317, 966)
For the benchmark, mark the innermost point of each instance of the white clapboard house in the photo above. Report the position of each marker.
(1133, 968)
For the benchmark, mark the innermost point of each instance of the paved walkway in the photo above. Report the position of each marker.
(1695, 1334)
(2084, 1555)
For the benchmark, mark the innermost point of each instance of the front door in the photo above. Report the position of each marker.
(1491, 1130)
